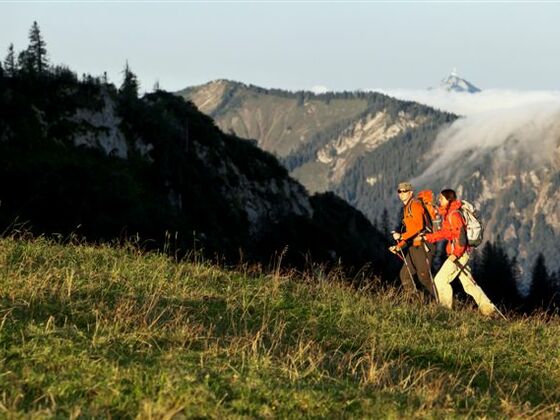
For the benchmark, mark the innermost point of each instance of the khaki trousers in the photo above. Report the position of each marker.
(447, 273)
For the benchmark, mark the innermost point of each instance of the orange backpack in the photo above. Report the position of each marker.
(426, 197)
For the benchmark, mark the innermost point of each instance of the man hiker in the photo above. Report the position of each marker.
(417, 257)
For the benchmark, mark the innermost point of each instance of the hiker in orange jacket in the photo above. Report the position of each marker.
(453, 230)
(418, 255)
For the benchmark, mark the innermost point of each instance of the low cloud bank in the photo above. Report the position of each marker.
(494, 121)
(466, 104)
(533, 130)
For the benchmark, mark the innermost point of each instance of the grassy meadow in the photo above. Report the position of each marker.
(100, 331)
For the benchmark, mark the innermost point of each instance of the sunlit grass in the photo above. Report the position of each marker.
(110, 331)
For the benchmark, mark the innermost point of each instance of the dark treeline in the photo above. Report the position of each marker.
(179, 176)
(499, 275)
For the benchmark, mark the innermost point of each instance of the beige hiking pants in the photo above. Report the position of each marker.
(447, 273)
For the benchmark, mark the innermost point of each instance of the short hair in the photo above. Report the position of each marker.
(449, 194)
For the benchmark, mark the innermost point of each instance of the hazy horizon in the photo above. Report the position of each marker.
(293, 46)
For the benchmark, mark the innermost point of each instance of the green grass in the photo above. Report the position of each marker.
(101, 331)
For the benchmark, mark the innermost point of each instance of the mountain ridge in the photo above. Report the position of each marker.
(90, 160)
(337, 159)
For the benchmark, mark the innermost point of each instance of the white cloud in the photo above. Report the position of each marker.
(466, 104)
(527, 121)
(319, 89)
(531, 129)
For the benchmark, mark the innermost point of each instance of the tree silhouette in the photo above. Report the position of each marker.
(130, 86)
(10, 62)
(37, 50)
(496, 274)
(541, 293)
(25, 63)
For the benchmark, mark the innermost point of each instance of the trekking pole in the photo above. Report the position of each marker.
(471, 279)
(408, 269)
(436, 295)
(500, 312)
(402, 257)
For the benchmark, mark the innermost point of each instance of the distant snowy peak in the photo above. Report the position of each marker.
(454, 83)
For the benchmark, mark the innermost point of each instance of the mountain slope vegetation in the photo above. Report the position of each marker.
(100, 331)
(81, 157)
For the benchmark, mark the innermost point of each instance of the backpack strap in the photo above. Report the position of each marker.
(463, 237)
(427, 220)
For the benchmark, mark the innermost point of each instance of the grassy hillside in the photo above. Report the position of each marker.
(101, 331)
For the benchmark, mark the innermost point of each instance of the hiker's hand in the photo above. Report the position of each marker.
(394, 249)
(396, 236)
(452, 258)
(422, 237)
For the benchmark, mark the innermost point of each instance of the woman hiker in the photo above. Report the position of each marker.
(454, 231)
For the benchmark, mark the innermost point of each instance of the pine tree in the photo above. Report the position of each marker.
(496, 274)
(10, 62)
(37, 49)
(541, 292)
(130, 86)
(25, 62)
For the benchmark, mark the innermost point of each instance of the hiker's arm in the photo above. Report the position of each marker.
(440, 235)
(444, 233)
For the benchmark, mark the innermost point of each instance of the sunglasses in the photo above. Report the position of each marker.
(403, 191)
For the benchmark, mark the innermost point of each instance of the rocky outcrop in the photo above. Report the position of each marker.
(99, 129)
(365, 136)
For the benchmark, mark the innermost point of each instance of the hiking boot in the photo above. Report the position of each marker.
(487, 310)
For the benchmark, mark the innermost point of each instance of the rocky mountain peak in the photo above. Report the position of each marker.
(454, 83)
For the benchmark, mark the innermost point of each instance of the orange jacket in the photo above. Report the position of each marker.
(453, 229)
(413, 219)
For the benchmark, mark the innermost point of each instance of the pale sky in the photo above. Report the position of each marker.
(298, 45)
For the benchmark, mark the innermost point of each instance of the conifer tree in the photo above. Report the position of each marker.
(37, 49)
(496, 274)
(541, 292)
(10, 62)
(130, 86)
(25, 62)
